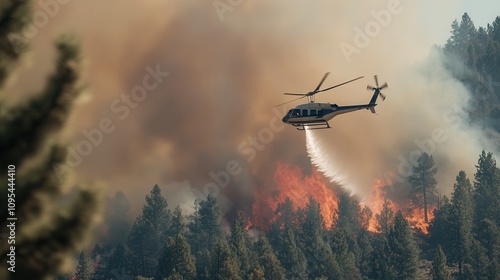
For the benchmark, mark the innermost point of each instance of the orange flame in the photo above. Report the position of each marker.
(415, 217)
(293, 184)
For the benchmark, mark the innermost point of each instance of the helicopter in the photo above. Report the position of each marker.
(314, 115)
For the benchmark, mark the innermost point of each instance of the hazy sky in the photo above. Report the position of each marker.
(227, 72)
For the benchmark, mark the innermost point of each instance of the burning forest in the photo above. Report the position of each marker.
(149, 143)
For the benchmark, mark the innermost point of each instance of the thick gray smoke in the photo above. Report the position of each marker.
(210, 122)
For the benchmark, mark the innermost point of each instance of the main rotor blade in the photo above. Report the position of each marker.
(376, 80)
(340, 84)
(322, 80)
(290, 101)
(301, 94)
(382, 95)
(368, 87)
(384, 86)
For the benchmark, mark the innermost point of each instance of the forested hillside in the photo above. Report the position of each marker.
(474, 59)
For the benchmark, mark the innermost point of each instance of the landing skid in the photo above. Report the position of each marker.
(312, 126)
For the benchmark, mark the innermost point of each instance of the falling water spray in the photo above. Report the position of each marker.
(327, 164)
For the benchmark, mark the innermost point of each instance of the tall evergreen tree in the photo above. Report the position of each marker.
(223, 262)
(176, 259)
(241, 244)
(487, 189)
(149, 229)
(85, 267)
(45, 239)
(117, 262)
(291, 257)
(156, 212)
(439, 269)
(381, 264)
(404, 250)
(344, 256)
(460, 229)
(385, 218)
(423, 183)
(143, 248)
(205, 227)
(348, 214)
(178, 224)
(268, 261)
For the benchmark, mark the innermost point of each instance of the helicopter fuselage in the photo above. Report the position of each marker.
(318, 114)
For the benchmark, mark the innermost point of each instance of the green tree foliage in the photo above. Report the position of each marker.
(487, 189)
(381, 265)
(240, 243)
(290, 256)
(144, 240)
(344, 256)
(423, 183)
(348, 214)
(117, 262)
(404, 254)
(268, 262)
(320, 258)
(385, 218)
(460, 230)
(439, 269)
(85, 267)
(205, 228)
(178, 224)
(143, 247)
(28, 133)
(223, 262)
(176, 259)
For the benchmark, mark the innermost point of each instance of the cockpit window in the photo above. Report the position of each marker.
(289, 113)
(296, 112)
(304, 112)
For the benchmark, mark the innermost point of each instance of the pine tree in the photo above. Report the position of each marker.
(344, 256)
(319, 255)
(29, 131)
(403, 248)
(348, 214)
(381, 265)
(487, 189)
(144, 240)
(240, 243)
(460, 230)
(439, 269)
(223, 262)
(85, 267)
(291, 257)
(268, 261)
(479, 262)
(385, 218)
(156, 212)
(205, 227)
(176, 258)
(178, 225)
(117, 262)
(423, 182)
(142, 244)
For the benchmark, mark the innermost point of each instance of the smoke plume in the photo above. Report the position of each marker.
(227, 72)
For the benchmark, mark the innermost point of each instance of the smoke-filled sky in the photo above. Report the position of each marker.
(228, 63)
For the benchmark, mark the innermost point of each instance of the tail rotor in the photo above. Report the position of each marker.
(377, 89)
